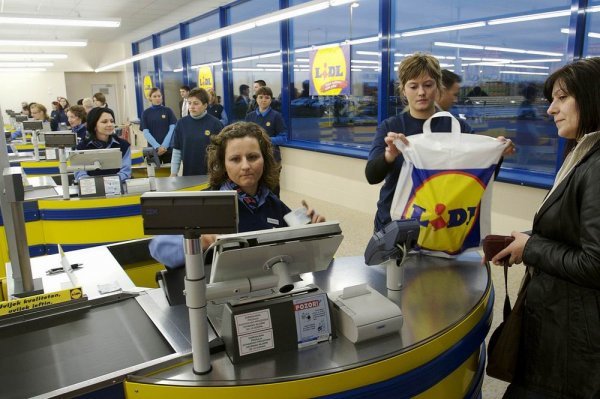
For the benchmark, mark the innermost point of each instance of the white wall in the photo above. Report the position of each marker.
(341, 180)
(42, 87)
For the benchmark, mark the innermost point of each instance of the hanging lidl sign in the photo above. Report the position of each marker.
(330, 71)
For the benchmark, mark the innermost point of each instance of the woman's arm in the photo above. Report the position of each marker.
(125, 172)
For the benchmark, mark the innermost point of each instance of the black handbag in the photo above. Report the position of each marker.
(503, 347)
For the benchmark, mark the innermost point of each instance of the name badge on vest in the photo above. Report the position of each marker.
(268, 123)
(164, 116)
(273, 221)
(207, 132)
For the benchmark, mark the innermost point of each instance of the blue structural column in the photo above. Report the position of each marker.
(287, 67)
(228, 93)
(137, 76)
(184, 33)
(385, 28)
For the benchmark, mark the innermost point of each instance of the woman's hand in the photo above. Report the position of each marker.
(206, 240)
(161, 150)
(312, 214)
(515, 250)
(391, 151)
(510, 147)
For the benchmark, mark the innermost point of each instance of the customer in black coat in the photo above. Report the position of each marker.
(560, 343)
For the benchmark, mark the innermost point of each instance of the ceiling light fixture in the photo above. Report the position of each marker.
(524, 73)
(22, 70)
(31, 56)
(291, 12)
(530, 17)
(51, 21)
(439, 29)
(50, 43)
(495, 48)
(25, 64)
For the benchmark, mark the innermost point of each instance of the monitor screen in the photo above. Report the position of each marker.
(108, 158)
(305, 248)
(21, 118)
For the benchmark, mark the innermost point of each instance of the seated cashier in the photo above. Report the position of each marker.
(239, 158)
(77, 117)
(101, 128)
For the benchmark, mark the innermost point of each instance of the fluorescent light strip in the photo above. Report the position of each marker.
(51, 43)
(22, 69)
(252, 57)
(537, 60)
(362, 52)
(530, 17)
(273, 70)
(494, 48)
(594, 35)
(230, 30)
(593, 9)
(458, 45)
(302, 59)
(269, 65)
(291, 12)
(341, 2)
(363, 40)
(94, 23)
(269, 55)
(31, 56)
(25, 64)
(355, 69)
(178, 70)
(524, 73)
(505, 65)
(439, 29)
(364, 61)
(365, 66)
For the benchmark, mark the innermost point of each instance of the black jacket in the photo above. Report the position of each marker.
(560, 347)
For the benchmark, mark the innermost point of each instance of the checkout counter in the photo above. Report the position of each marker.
(131, 339)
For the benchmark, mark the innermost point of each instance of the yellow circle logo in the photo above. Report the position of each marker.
(446, 205)
(207, 132)
(329, 71)
(76, 293)
(147, 86)
(205, 78)
(268, 123)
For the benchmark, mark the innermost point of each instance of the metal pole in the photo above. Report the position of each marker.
(25, 282)
(394, 274)
(195, 300)
(64, 177)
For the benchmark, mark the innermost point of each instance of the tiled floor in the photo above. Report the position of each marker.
(357, 228)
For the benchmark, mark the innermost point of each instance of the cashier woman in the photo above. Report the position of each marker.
(239, 158)
(101, 127)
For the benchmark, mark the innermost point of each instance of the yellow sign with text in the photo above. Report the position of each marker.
(329, 71)
(148, 85)
(38, 301)
(205, 78)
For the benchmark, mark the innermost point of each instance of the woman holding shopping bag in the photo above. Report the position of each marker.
(420, 79)
(559, 352)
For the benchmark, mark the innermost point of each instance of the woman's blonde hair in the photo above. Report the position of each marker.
(215, 154)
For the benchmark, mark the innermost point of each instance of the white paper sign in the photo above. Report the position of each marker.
(87, 186)
(256, 342)
(312, 319)
(246, 323)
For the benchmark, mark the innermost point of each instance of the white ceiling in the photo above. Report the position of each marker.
(139, 19)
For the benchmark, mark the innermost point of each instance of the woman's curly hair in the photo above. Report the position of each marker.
(215, 153)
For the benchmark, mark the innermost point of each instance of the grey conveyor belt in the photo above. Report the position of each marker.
(47, 354)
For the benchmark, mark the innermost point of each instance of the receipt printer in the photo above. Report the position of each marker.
(362, 313)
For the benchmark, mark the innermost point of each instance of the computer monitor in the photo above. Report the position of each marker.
(11, 113)
(33, 125)
(107, 158)
(302, 249)
(21, 118)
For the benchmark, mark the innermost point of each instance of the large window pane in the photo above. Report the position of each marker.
(255, 53)
(172, 71)
(206, 55)
(592, 36)
(503, 66)
(147, 72)
(341, 119)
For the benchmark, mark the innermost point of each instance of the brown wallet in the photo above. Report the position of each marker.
(492, 244)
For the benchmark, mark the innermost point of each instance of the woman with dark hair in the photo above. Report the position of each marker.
(77, 118)
(559, 352)
(158, 124)
(239, 158)
(57, 116)
(101, 128)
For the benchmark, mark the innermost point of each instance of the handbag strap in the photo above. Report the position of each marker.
(507, 307)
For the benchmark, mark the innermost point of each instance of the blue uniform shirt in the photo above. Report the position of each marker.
(155, 124)
(191, 137)
(274, 125)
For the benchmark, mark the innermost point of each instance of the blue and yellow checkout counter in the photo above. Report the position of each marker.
(134, 345)
(83, 222)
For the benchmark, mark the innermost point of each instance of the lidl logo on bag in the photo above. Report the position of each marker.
(446, 204)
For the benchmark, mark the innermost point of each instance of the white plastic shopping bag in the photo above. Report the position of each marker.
(445, 184)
